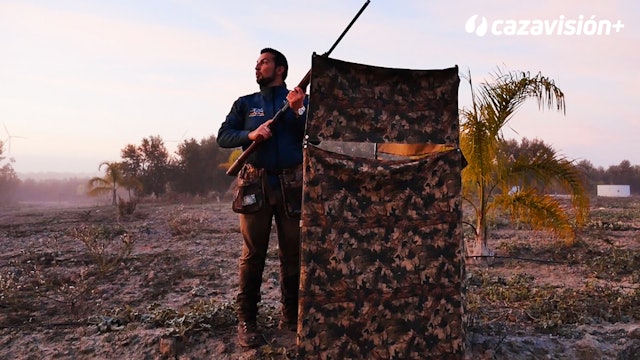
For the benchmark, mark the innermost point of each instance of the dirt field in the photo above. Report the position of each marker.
(79, 282)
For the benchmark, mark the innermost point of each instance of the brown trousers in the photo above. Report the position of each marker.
(256, 230)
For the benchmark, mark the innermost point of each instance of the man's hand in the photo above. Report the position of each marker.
(295, 98)
(262, 132)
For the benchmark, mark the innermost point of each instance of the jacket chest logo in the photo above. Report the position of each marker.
(256, 112)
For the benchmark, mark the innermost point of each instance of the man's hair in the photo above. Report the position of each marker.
(279, 60)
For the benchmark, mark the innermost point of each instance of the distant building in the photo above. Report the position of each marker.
(614, 190)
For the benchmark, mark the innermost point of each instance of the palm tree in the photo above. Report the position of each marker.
(495, 180)
(112, 180)
(235, 154)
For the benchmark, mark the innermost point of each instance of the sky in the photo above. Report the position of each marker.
(81, 79)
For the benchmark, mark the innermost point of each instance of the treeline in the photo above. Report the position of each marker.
(51, 190)
(622, 174)
(198, 168)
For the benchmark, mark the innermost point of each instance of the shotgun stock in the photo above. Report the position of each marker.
(234, 169)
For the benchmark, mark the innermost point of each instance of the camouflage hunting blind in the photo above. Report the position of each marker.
(382, 254)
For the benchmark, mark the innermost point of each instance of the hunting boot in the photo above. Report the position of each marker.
(248, 335)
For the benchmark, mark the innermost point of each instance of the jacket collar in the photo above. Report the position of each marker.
(269, 91)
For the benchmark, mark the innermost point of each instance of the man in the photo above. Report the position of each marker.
(263, 194)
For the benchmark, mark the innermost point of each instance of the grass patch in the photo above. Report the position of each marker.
(518, 299)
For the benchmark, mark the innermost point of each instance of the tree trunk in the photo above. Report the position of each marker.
(480, 247)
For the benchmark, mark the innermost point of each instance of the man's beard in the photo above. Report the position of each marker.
(266, 80)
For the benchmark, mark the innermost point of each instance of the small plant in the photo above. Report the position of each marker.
(126, 207)
(609, 225)
(108, 247)
(28, 287)
(615, 263)
(9, 288)
(183, 223)
(17, 287)
(68, 289)
(203, 315)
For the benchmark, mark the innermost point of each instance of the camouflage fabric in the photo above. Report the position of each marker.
(355, 102)
(381, 246)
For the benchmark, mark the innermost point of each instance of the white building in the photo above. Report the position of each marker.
(614, 190)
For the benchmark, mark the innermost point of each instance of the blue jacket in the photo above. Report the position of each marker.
(284, 149)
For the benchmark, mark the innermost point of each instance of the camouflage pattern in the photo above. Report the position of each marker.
(355, 102)
(381, 246)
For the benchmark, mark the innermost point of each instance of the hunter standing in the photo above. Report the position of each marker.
(269, 187)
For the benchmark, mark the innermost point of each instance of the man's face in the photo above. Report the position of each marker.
(265, 69)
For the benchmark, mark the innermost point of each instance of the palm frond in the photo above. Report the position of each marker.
(97, 191)
(548, 167)
(541, 211)
(499, 99)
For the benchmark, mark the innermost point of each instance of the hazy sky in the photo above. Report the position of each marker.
(81, 79)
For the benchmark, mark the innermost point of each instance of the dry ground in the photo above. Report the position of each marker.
(79, 282)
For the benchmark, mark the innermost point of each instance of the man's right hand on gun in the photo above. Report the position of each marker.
(263, 132)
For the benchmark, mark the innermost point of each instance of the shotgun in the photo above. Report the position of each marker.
(237, 165)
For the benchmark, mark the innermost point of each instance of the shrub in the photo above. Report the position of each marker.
(182, 223)
(106, 246)
(126, 207)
